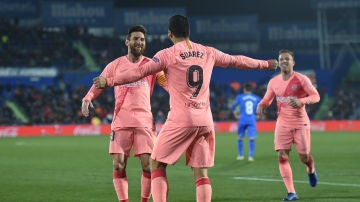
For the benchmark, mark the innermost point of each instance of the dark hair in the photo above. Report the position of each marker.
(286, 51)
(179, 26)
(248, 87)
(136, 28)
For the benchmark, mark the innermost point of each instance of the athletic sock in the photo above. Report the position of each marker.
(286, 173)
(203, 190)
(159, 185)
(251, 148)
(121, 185)
(240, 147)
(145, 186)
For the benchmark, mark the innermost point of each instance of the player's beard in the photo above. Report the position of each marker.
(137, 52)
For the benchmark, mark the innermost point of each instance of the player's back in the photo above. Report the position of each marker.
(188, 70)
(248, 103)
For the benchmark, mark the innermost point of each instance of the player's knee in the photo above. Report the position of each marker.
(157, 165)
(304, 158)
(119, 166)
(283, 154)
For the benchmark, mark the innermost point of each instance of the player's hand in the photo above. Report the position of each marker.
(100, 82)
(236, 115)
(85, 107)
(273, 64)
(260, 111)
(295, 103)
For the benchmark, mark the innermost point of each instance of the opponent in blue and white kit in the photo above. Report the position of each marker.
(247, 119)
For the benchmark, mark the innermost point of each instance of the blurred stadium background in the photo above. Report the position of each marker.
(50, 51)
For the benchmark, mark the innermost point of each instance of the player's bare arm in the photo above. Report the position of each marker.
(100, 82)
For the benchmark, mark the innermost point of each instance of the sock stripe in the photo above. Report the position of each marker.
(158, 173)
(202, 181)
(119, 174)
(283, 160)
(146, 174)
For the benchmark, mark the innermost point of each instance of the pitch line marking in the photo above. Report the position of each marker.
(296, 181)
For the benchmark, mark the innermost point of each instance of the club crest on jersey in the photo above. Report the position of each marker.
(294, 87)
(155, 59)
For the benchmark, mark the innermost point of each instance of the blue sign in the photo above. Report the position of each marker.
(78, 13)
(19, 8)
(154, 19)
(335, 4)
(224, 28)
(299, 35)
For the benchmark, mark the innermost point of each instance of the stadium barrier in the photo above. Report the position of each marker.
(88, 129)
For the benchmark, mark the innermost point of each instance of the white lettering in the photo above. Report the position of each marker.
(78, 10)
(291, 33)
(9, 132)
(285, 99)
(87, 130)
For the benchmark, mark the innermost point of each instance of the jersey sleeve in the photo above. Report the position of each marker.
(129, 75)
(268, 97)
(235, 104)
(313, 95)
(94, 92)
(238, 61)
(161, 80)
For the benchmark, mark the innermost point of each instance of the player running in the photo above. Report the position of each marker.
(293, 91)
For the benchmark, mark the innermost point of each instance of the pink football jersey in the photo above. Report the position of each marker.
(132, 100)
(297, 86)
(188, 67)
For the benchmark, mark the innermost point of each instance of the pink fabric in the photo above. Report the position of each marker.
(286, 174)
(188, 87)
(121, 188)
(141, 140)
(135, 110)
(286, 135)
(299, 86)
(203, 190)
(159, 185)
(145, 186)
(197, 142)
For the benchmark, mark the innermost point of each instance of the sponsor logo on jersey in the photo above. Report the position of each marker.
(137, 84)
(285, 99)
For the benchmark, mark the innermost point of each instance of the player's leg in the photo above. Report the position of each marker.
(302, 144)
(143, 144)
(252, 134)
(285, 170)
(283, 141)
(203, 185)
(120, 145)
(200, 156)
(119, 176)
(145, 177)
(159, 183)
(240, 141)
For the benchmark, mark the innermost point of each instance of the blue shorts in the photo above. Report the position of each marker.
(249, 128)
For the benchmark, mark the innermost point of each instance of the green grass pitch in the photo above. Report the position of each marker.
(79, 169)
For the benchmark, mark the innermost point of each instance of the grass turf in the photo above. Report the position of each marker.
(79, 169)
